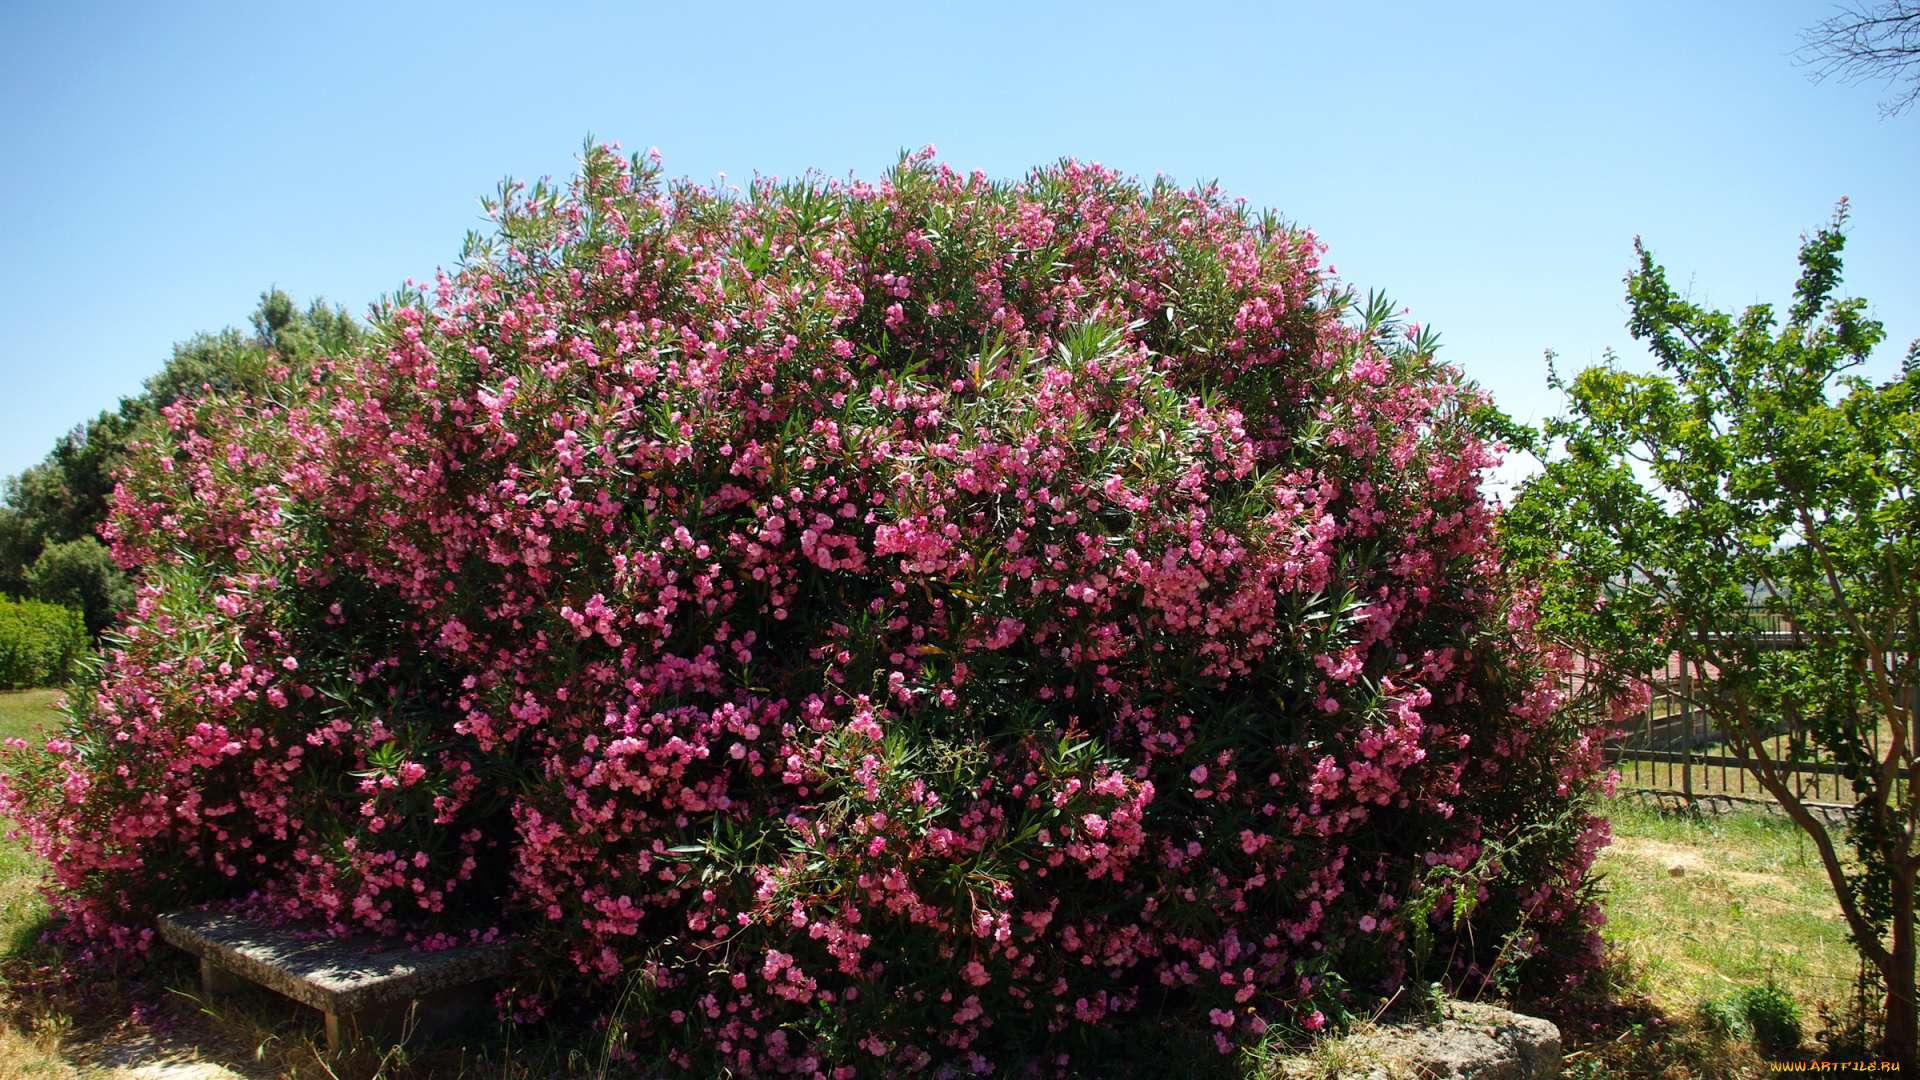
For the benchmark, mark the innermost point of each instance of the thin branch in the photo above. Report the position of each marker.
(1866, 640)
(1869, 45)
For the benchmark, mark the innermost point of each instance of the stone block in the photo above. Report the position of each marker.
(1470, 1042)
(1466, 1041)
(371, 987)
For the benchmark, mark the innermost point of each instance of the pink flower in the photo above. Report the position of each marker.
(665, 513)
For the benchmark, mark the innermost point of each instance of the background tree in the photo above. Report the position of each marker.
(1750, 471)
(1863, 44)
(49, 513)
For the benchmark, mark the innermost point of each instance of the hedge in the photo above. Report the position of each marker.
(40, 644)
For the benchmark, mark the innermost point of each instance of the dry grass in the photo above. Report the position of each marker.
(29, 1056)
(1330, 1059)
(1703, 913)
(1702, 907)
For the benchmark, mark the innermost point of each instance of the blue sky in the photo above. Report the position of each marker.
(1486, 164)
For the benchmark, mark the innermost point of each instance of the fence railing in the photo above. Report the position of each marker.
(1675, 747)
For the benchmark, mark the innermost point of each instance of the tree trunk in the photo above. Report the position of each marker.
(1898, 1041)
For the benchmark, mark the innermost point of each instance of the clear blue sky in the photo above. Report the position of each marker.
(1486, 164)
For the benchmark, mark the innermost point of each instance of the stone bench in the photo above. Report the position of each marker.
(372, 987)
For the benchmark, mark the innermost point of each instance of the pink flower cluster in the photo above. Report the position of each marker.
(901, 624)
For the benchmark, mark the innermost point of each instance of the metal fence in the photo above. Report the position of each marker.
(1676, 748)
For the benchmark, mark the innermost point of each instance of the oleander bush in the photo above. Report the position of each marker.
(853, 628)
(40, 644)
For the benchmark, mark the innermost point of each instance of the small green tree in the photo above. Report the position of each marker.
(81, 574)
(1752, 471)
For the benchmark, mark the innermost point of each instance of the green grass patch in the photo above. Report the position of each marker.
(22, 910)
(29, 714)
(1705, 908)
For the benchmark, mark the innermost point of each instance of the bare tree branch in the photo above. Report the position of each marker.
(1862, 44)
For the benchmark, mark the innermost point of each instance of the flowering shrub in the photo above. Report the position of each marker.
(877, 625)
